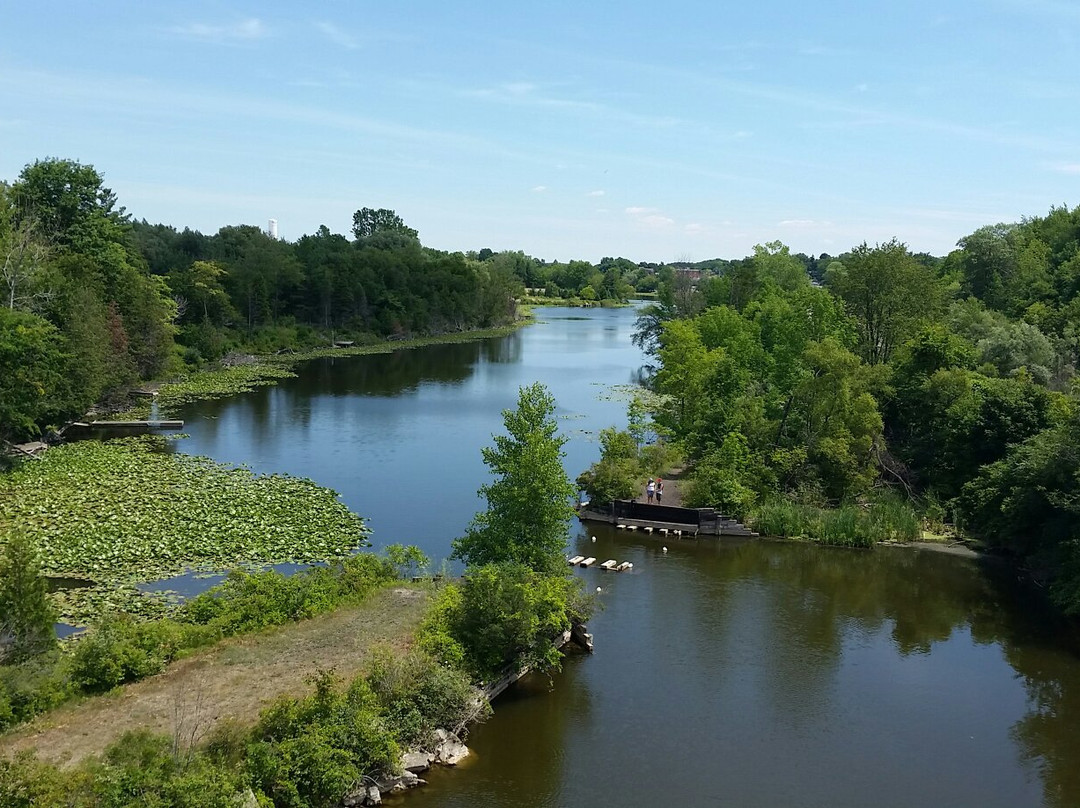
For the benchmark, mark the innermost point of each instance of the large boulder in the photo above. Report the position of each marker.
(417, 761)
(403, 782)
(449, 751)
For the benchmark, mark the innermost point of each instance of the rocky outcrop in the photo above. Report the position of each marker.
(449, 751)
(417, 761)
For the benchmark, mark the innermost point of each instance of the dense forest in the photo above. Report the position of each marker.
(948, 383)
(94, 301)
(822, 381)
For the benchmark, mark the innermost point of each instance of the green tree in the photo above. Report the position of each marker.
(618, 473)
(369, 221)
(889, 293)
(528, 503)
(26, 616)
(32, 366)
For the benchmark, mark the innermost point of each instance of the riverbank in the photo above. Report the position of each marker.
(230, 681)
(241, 373)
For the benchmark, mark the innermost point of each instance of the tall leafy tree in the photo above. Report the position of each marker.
(26, 616)
(889, 293)
(528, 503)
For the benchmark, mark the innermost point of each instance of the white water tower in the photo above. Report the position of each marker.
(272, 229)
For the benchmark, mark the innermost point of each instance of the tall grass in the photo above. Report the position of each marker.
(889, 519)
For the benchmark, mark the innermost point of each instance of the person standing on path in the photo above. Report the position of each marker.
(659, 490)
(650, 489)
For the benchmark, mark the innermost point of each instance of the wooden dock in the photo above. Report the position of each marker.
(666, 519)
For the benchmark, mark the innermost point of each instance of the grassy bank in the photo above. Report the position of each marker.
(848, 525)
(257, 371)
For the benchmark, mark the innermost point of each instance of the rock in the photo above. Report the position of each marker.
(450, 751)
(403, 782)
(362, 795)
(417, 761)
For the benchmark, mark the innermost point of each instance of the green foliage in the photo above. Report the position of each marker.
(418, 695)
(503, 614)
(618, 473)
(848, 525)
(311, 751)
(26, 616)
(722, 478)
(889, 293)
(32, 687)
(1028, 502)
(407, 561)
(247, 602)
(32, 366)
(119, 650)
(528, 503)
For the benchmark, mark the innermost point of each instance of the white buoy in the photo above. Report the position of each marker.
(665, 549)
(594, 538)
(598, 589)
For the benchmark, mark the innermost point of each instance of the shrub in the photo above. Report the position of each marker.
(118, 650)
(504, 614)
(418, 695)
(309, 752)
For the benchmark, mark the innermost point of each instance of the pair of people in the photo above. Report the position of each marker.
(654, 488)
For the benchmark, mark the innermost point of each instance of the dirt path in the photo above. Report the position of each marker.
(672, 492)
(234, 679)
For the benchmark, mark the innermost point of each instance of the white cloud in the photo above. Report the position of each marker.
(539, 189)
(694, 228)
(337, 36)
(637, 211)
(656, 220)
(595, 193)
(1067, 168)
(243, 31)
(798, 223)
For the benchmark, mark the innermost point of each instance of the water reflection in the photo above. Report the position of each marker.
(743, 673)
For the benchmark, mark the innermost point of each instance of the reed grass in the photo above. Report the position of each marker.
(888, 519)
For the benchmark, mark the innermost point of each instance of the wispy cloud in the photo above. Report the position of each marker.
(1066, 168)
(650, 217)
(595, 193)
(247, 30)
(539, 189)
(337, 35)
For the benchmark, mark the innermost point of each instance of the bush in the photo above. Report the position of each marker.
(252, 601)
(418, 695)
(504, 614)
(119, 650)
(32, 687)
(311, 751)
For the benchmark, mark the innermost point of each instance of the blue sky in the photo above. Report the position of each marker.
(657, 132)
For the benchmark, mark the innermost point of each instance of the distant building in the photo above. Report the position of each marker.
(271, 230)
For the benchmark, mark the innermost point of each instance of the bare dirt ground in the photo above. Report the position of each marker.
(234, 679)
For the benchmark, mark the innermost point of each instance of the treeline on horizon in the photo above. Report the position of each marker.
(949, 383)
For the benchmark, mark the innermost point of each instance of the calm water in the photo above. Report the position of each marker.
(725, 673)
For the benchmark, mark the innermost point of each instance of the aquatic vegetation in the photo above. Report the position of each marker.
(129, 510)
(848, 525)
(220, 383)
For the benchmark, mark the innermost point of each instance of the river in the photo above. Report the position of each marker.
(741, 673)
